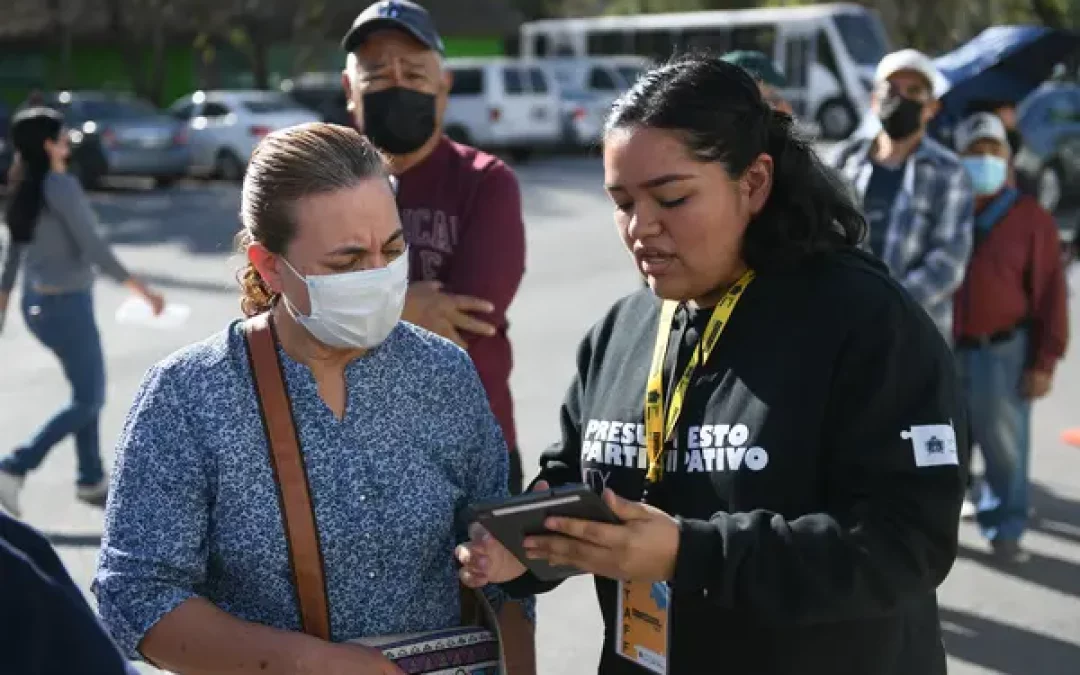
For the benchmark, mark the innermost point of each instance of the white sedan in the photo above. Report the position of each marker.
(225, 126)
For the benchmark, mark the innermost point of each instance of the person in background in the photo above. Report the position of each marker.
(47, 626)
(54, 234)
(768, 77)
(916, 195)
(395, 430)
(802, 503)
(1006, 112)
(461, 208)
(1011, 326)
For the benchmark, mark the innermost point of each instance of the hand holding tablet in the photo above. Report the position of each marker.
(509, 522)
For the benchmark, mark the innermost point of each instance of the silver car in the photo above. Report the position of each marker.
(119, 135)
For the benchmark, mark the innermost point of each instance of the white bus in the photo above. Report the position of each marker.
(827, 52)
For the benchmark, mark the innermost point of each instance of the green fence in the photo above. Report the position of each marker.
(90, 67)
(104, 67)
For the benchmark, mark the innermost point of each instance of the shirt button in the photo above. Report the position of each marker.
(363, 498)
(371, 575)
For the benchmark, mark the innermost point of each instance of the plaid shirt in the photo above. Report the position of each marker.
(929, 239)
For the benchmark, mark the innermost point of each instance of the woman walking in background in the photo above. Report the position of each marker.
(53, 234)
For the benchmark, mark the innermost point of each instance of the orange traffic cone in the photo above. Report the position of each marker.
(1071, 436)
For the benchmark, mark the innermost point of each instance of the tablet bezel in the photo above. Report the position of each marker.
(512, 520)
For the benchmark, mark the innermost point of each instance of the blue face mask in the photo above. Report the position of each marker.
(988, 173)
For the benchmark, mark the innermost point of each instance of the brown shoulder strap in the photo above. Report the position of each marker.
(301, 534)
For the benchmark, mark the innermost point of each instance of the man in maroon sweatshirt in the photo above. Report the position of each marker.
(460, 208)
(1011, 326)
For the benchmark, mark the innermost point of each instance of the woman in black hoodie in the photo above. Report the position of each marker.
(775, 422)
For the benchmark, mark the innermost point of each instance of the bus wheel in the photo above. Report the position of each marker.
(837, 119)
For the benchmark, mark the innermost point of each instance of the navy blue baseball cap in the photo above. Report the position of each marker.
(400, 15)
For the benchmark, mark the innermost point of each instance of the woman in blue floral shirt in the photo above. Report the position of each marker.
(396, 433)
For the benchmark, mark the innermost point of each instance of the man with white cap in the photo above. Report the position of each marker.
(1011, 326)
(916, 196)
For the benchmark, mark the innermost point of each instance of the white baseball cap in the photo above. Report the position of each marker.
(980, 127)
(914, 61)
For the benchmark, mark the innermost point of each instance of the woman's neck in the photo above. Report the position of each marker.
(301, 347)
(712, 297)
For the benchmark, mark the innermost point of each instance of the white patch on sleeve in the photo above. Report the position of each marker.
(933, 444)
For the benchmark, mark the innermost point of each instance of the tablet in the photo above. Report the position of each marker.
(512, 520)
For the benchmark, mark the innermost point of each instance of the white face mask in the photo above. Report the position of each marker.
(354, 310)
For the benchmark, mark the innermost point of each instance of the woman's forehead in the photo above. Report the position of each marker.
(362, 215)
(637, 155)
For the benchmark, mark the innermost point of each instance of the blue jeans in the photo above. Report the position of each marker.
(65, 324)
(1000, 421)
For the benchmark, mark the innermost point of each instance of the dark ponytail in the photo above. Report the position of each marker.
(717, 108)
(808, 210)
(29, 131)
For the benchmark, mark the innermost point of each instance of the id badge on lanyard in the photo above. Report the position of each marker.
(644, 609)
(644, 624)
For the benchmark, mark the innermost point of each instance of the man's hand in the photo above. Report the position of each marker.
(446, 314)
(1036, 384)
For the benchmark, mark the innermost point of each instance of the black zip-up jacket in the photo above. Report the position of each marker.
(817, 477)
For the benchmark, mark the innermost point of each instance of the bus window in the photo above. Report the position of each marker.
(607, 43)
(716, 40)
(654, 44)
(796, 61)
(826, 56)
(562, 44)
(860, 35)
(754, 38)
(540, 46)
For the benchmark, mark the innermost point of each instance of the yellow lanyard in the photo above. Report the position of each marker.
(658, 430)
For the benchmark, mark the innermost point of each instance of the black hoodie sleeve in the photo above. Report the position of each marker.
(888, 530)
(561, 463)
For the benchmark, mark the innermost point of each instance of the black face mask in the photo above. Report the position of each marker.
(900, 117)
(399, 120)
(1016, 140)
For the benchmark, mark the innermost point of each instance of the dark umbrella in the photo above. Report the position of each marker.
(1003, 63)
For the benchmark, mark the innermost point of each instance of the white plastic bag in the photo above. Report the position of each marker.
(137, 312)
